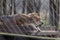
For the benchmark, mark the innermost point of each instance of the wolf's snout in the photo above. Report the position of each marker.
(40, 24)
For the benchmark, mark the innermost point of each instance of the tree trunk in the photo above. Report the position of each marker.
(1, 8)
(32, 6)
(54, 13)
(4, 7)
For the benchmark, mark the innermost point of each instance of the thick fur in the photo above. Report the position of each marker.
(20, 23)
(25, 19)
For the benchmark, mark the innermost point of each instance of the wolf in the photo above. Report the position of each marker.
(20, 23)
(31, 21)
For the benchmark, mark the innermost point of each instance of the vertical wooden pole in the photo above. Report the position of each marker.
(54, 13)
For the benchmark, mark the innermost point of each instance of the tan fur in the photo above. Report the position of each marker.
(34, 16)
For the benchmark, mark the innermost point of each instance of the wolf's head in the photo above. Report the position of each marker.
(35, 18)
